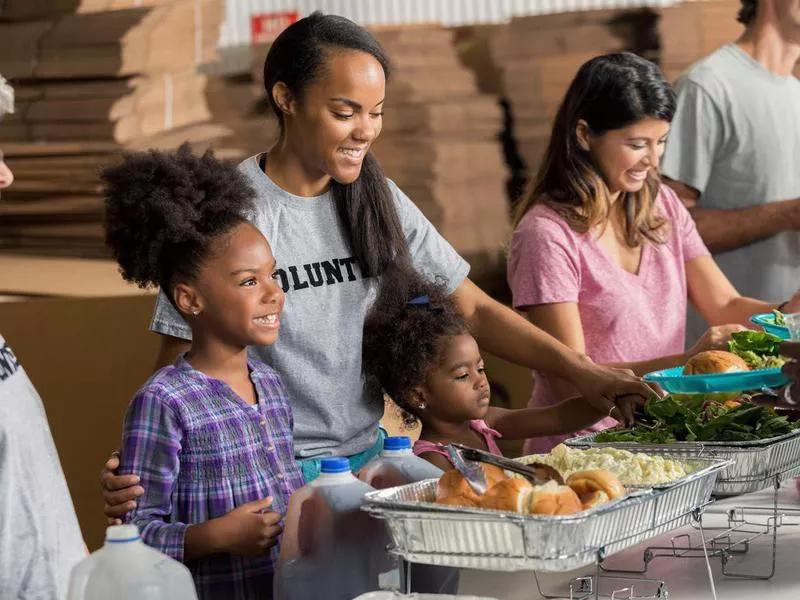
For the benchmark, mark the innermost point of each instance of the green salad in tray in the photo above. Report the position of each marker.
(698, 419)
(759, 349)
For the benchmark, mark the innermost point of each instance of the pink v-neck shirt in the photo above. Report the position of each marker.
(625, 317)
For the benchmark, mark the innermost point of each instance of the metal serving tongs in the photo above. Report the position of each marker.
(471, 471)
(467, 458)
(780, 401)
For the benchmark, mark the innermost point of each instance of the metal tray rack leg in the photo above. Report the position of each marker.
(588, 587)
(735, 539)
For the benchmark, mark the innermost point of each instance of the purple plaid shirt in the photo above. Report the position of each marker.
(200, 452)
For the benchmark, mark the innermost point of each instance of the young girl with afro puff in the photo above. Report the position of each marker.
(421, 352)
(210, 436)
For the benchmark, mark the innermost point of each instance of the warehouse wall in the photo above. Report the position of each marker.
(236, 29)
(235, 35)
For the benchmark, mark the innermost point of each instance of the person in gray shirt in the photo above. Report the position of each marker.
(40, 539)
(732, 153)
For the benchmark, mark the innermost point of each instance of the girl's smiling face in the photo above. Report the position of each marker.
(456, 388)
(235, 295)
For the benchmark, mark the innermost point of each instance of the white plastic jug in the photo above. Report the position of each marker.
(126, 569)
(397, 465)
(330, 548)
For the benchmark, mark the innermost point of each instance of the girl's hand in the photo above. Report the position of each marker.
(249, 531)
(716, 338)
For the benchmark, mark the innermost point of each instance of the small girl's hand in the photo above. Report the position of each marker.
(248, 531)
(625, 408)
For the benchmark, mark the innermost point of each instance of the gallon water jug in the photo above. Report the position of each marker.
(125, 569)
(330, 548)
(397, 465)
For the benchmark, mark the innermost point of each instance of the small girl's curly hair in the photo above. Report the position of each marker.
(747, 12)
(164, 209)
(403, 332)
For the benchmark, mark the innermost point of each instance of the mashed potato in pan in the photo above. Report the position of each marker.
(629, 467)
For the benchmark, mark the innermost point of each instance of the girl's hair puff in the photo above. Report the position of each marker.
(402, 341)
(164, 209)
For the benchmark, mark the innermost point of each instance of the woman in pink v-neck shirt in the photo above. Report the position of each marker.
(604, 257)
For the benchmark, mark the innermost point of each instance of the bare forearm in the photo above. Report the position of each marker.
(724, 230)
(566, 417)
(739, 310)
(202, 539)
(506, 334)
(643, 367)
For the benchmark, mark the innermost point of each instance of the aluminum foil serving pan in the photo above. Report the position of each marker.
(425, 532)
(754, 465)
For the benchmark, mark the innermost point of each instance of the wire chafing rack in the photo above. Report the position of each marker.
(756, 466)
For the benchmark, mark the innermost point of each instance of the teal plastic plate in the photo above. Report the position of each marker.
(767, 321)
(675, 382)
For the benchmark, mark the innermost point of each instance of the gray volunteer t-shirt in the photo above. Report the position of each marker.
(736, 139)
(318, 352)
(40, 540)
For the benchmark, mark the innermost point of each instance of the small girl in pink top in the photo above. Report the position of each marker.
(421, 353)
(604, 257)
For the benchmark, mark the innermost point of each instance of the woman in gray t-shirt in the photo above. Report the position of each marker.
(336, 223)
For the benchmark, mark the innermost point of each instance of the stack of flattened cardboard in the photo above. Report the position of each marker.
(540, 55)
(111, 76)
(118, 110)
(55, 207)
(174, 36)
(439, 140)
(236, 103)
(28, 10)
(91, 80)
(690, 31)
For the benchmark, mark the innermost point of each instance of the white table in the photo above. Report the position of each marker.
(686, 578)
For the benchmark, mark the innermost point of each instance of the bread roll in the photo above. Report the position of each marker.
(493, 474)
(510, 495)
(586, 484)
(453, 485)
(455, 490)
(593, 499)
(460, 500)
(553, 499)
(714, 361)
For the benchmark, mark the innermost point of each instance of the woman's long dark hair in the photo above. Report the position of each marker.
(609, 92)
(366, 207)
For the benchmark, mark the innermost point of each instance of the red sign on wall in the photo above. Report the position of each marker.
(264, 28)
